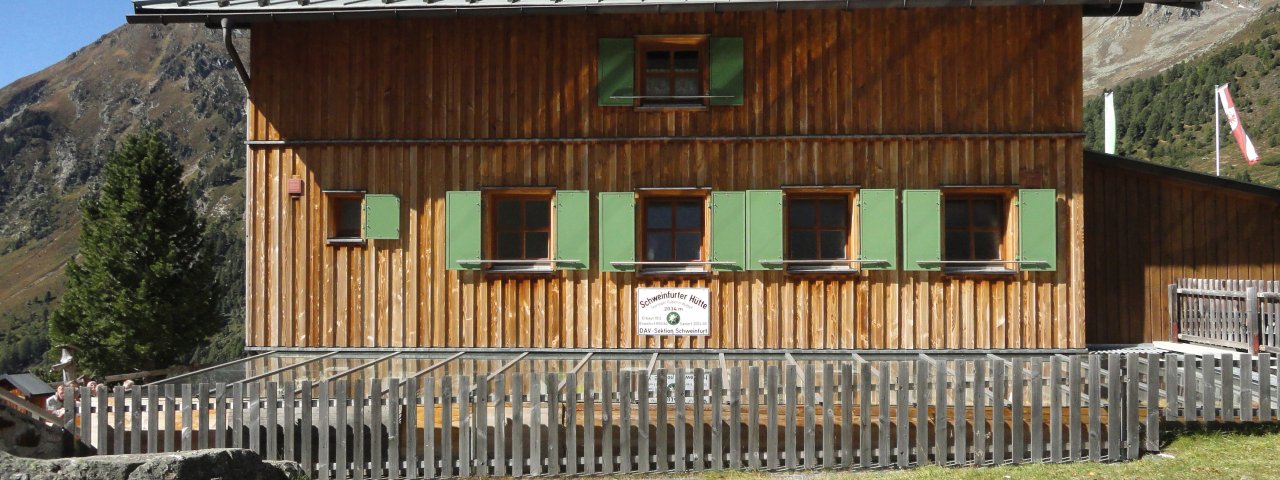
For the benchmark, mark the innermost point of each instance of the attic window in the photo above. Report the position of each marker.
(672, 71)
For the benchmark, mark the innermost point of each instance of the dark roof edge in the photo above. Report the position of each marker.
(1156, 169)
(29, 383)
(213, 17)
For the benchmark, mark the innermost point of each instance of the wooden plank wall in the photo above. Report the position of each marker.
(1144, 231)
(907, 99)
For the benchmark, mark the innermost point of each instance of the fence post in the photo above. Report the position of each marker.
(1253, 319)
(1173, 312)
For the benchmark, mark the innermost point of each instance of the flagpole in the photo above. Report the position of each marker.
(1217, 149)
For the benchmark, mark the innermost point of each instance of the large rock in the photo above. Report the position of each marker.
(219, 464)
(27, 437)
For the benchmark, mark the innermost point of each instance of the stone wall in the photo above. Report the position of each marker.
(219, 464)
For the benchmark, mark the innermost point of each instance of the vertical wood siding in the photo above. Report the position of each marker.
(524, 102)
(1144, 231)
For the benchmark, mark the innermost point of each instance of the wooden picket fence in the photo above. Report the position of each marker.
(1243, 314)
(859, 414)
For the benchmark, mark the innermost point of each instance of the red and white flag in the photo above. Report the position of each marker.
(1233, 118)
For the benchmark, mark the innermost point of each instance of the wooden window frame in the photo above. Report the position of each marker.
(642, 219)
(671, 43)
(489, 231)
(852, 245)
(1008, 196)
(333, 200)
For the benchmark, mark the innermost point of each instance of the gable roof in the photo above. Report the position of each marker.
(30, 384)
(1181, 174)
(212, 12)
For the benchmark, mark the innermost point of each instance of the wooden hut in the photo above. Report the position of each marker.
(614, 174)
(27, 386)
(1149, 225)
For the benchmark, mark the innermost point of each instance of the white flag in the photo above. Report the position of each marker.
(1109, 115)
(1237, 130)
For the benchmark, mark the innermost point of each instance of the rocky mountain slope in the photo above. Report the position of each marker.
(58, 125)
(1123, 48)
(57, 128)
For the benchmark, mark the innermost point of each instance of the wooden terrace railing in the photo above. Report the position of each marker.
(1241, 314)
(850, 414)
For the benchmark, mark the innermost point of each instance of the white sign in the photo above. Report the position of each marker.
(673, 311)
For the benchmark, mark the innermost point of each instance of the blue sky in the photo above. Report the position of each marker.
(37, 33)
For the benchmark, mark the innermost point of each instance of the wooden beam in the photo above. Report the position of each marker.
(148, 373)
(434, 366)
(35, 411)
(215, 367)
(287, 368)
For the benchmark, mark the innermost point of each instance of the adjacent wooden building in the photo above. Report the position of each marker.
(1163, 224)
(539, 175)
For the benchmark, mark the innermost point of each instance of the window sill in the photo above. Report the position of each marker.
(979, 272)
(671, 108)
(822, 270)
(522, 272)
(674, 271)
(345, 242)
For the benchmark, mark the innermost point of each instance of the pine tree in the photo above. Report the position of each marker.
(141, 293)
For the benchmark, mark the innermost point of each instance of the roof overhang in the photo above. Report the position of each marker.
(242, 12)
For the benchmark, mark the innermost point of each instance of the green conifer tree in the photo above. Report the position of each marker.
(141, 293)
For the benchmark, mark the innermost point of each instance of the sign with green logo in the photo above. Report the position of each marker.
(673, 311)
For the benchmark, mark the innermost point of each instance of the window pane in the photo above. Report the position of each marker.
(688, 86)
(657, 215)
(957, 247)
(657, 246)
(348, 221)
(687, 61)
(800, 213)
(508, 246)
(986, 246)
(957, 212)
(833, 244)
(507, 213)
(535, 244)
(833, 213)
(689, 215)
(657, 60)
(688, 246)
(986, 213)
(803, 245)
(657, 86)
(537, 214)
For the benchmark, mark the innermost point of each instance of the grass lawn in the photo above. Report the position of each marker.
(1221, 453)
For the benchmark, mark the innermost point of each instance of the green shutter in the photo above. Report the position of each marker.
(573, 229)
(726, 70)
(764, 229)
(1038, 229)
(878, 228)
(921, 230)
(617, 71)
(381, 217)
(462, 230)
(617, 231)
(728, 230)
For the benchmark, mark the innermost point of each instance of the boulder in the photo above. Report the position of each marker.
(215, 464)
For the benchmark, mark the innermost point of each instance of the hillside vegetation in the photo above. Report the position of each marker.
(1168, 118)
(57, 128)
